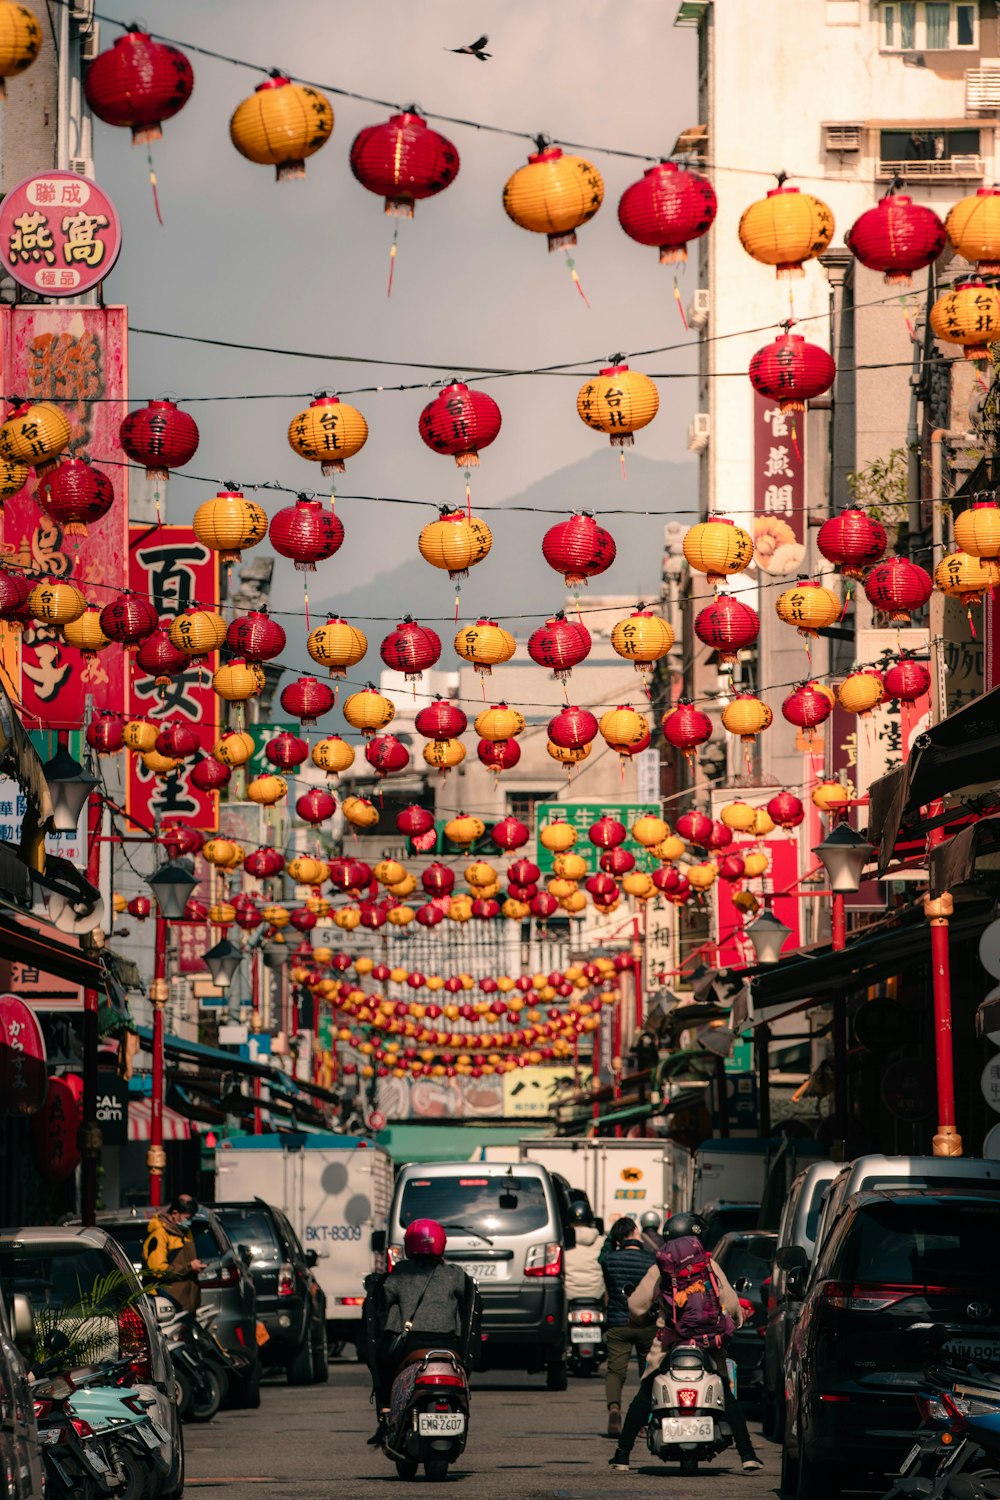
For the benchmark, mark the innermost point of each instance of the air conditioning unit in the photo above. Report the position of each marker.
(699, 307)
(699, 431)
(982, 88)
(90, 42)
(842, 137)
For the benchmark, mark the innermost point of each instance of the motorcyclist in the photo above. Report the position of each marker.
(641, 1304)
(584, 1275)
(624, 1269)
(650, 1226)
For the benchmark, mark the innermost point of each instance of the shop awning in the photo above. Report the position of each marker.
(140, 1115)
(41, 947)
(974, 851)
(230, 1062)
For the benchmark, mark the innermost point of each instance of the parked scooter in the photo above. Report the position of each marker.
(428, 1421)
(688, 1421)
(123, 1425)
(957, 1452)
(202, 1365)
(586, 1320)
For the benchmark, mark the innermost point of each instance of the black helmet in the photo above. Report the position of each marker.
(581, 1213)
(679, 1226)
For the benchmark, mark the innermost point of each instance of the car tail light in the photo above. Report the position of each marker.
(239, 1336)
(223, 1277)
(133, 1343)
(458, 1380)
(848, 1296)
(349, 1301)
(393, 1256)
(286, 1281)
(544, 1260)
(687, 1398)
(81, 1428)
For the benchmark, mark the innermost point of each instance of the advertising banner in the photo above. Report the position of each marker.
(779, 488)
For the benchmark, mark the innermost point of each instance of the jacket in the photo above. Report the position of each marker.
(439, 1310)
(584, 1276)
(168, 1252)
(642, 1300)
(624, 1267)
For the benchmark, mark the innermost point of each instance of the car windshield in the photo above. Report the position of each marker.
(251, 1227)
(750, 1257)
(922, 1244)
(487, 1205)
(132, 1233)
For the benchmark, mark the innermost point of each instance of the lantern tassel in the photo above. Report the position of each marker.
(458, 590)
(305, 596)
(152, 183)
(571, 263)
(393, 252)
(468, 496)
(795, 442)
(621, 455)
(972, 623)
(680, 305)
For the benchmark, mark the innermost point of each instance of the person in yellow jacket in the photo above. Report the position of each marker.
(168, 1252)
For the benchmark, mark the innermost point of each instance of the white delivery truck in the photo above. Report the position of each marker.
(738, 1170)
(619, 1176)
(335, 1190)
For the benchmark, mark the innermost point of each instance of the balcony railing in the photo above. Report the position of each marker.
(949, 169)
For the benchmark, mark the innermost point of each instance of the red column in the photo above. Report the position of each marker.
(637, 959)
(838, 923)
(90, 1133)
(947, 1141)
(156, 1157)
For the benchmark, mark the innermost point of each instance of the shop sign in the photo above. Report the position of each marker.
(60, 234)
(23, 1076)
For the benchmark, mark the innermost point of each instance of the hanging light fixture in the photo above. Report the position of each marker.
(768, 935)
(171, 886)
(70, 784)
(844, 854)
(222, 961)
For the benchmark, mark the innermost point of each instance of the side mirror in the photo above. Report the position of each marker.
(243, 1251)
(741, 1284)
(56, 1341)
(23, 1324)
(165, 1308)
(311, 1258)
(795, 1283)
(791, 1258)
(379, 1241)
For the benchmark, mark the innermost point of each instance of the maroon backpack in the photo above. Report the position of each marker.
(690, 1299)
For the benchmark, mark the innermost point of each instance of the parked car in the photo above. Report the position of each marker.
(57, 1269)
(722, 1218)
(893, 1259)
(507, 1226)
(746, 1256)
(226, 1287)
(20, 1457)
(290, 1303)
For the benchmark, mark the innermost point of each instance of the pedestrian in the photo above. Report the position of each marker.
(650, 1226)
(624, 1269)
(168, 1252)
(584, 1277)
(653, 1297)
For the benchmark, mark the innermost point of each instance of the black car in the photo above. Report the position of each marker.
(724, 1218)
(746, 1256)
(894, 1261)
(290, 1303)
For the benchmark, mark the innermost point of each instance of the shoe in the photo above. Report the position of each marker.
(619, 1460)
(752, 1465)
(614, 1421)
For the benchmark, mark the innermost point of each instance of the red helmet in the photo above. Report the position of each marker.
(424, 1237)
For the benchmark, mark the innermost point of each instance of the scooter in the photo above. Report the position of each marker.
(120, 1418)
(586, 1322)
(428, 1420)
(202, 1364)
(688, 1421)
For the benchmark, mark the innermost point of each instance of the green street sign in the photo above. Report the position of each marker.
(258, 764)
(581, 815)
(741, 1060)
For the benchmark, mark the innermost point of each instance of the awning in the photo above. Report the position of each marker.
(51, 954)
(451, 1142)
(140, 1116)
(229, 1062)
(975, 850)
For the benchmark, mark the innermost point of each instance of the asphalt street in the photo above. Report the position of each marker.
(524, 1442)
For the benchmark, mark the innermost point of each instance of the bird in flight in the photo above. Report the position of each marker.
(475, 49)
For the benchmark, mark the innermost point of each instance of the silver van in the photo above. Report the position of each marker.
(507, 1226)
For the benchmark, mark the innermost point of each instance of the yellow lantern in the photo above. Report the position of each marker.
(977, 529)
(140, 735)
(746, 902)
(718, 548)
(553, 195)
(746, 716)
(618, 401)
(13, 476)
(401, 916)
(267, 790)
(20, 41)
(786, 228)
(119, 903)
(460, 908)
(333, 754)
(809, 606)
(829, 795)
(237, 680)
(229, 522)
(574, 903)
(388, 872)
(323, 956)
(649, 830)
(558, 887)
(359, 812)
(973, 227)
(515, 911)
(968, 314)
(464, 830)
(444, 753)
(347, 918)
(557, 837)
(368, 711)
(485, 644)
(669, 849)
(860, 693)
(499, 723)
(505, 984)
(701, 876)
(305, 870)
(571, 867)
(84, 633)
(623, 728)
(159, 765)
(763, 823)
(56, 603)
(966, 578)
(218, 852)
(455, 542)
(320, 907)
(363, 965)
(567, 756)
(233, 749)
(642, 638)
(738, 816)
(197, 632)
(480, 873)
(637, 883)
(337, 645)
(404, 887)
(237, 855)
(222, 914)
(281, 124)
(328, 432)
(34, 433)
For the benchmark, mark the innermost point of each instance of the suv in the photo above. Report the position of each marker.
(226, 1288)
(507, 1227)
(290, 1303)
(20, 1455)
(894, 1259)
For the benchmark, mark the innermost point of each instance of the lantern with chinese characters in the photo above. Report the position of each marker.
(973, 227)
(977, 529)
(328, 432)
(668, 206)
(809, 606)
(403, 160)
(414, 821)
(727, 626)
(438, 879)
(441, 720)
(738, 816)
(829, 796)
(104, 732)
(807, 706)
(401, 916)
(85, 634)
(686, 727)
(464, 830)
(316, 805)
(746, 716)
(237, 680)
(256, 636)
(968, 314)
(160, 765)
(860, 692)
(696, 827)
(622, 729)
(20, 41)
(198, 632)
(160, 657)
(618, 401)
(485, 645)
(718, 548)
(14, 476)
(337, 645)
(138, 83)
(573, 728)
(460, 422)
(266, 790)
(499, 755)
(56, 603)
(578, 548)
(852, 541)
(568, 756)
(556, 836)
(306, 871)
(443, 755)
(360, 813)
(386, 755)
(333, 755)
(129, 619)
(554, 195)
(510, 833)
(368, 710)
(642, 638)
(34, 433)
(499, 722)
(701, 876)
(560, 645)
(286, 751)
(177, 739)
(791, 371)
(906, 680)
(306, 532)
(411, 649)
(786, 228)
(648, 830)
(234, 748)
(967, 579)
(209, 776)
(281, 124)
(607, 833)
(139, 734)
(307, 699)
(786, 810)
(160, 437)
(74, 494)
(896, 237)
(543, 905)
(898, 587)
(455, 542)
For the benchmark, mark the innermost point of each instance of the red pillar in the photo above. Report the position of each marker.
(637, 960)
(156, 1157)
(258, 1122)
(947, 1141)
(90, 1133)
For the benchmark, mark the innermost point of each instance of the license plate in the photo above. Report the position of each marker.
(482, 1270)
(440, 1423)
(687, 1429)
(262, 1335)
(591, 1335)
(913, 1454)
(97, 1462)
(148, 1436)
(162, 1435)
(984, 1350)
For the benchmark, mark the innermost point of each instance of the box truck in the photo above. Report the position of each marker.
(619, 1176)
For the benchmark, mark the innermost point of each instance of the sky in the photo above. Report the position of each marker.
(302, 265)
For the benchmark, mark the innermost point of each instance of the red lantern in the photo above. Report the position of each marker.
(129, 619)
(307, 699)
(160, 437)
(485, 908)
(898, 587)
(543, 905)
(696, 827)
(286, 750)
(438, 879)
(256, 637)
(617, 861)
(906, 680)
(786, 810)
(510, 833)
(429, 915)
(607, 833)
(139, 83)
(74, 494)
(264, 863)
(721, 837)
(852, 541)
(248, 917)
(104, 732)
(897, 237)
(602, 887)
(411, 648)
(139, 907)
(373, 915)
(731, 868)
(578, 548)
(460, 422)
(316, 805)
(303, 920)
(195, 911)
(414, 820)
(160, 657)
(807, 706)
(441, 720)
(792, 371)
(573, 728)
(560, 644)
(306, 532)
(177, 740)
(209, 775)
(402, 161)
(727, 626)
(523, 872)
(686, 727)
(499, 755)
(668, 206)
(386, 755)
(522, 892)
(14, 591)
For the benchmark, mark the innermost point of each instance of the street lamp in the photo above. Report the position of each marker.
(172, 884)
(768, 935)
(70, 784)
(222, 961)
(844, 854)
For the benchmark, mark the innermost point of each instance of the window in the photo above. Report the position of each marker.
(929, 25)
(924, 1244)
(522, 804)
(926, 152)
(491, 1205)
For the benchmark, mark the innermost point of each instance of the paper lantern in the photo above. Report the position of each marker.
(264, 862)
(738, 816)
(139, 734)
(177, 740)
(648, 830)
(755, 865)
(807, 706)
(306, 532)
(20, 41)
(160, 765)
(460, 422)
(255, 636)
(401, 916)
(579, 549)
(485, 645)
(333, 755)
(973, 227)
(56, 603)
(441, 720)
(104, 732)
(73, 493)
(368, 711)
(403, 160)
(444, 754)
(234, 749)
(463, 830)
(809, 606)
(701, 876)
(429, 915)
(896, 237)
(860, 692)
(786, 228)
(607, 833)
(543, 905)
(316, 805)
(286, 751)
(727, 626)
(695, 826)
(386, 755)
(786, 811)
(499, 755)
(455, 542)
(160, 657)
(906, 680)
(618, 401)
(622, 728)
(129, 619)
(14, 476)
(829, 796)
(15, 591)
(34, 433)
(307, 699)
(556, 836)
(966, 578)
(560, 645)
(746, 716)
(718, 548)
(237, 680)
(792, 372)
(554, 195)
(281, 124)
(306, 871)
(686, 727)
(337, 645)
(267, 790)
(977, 529)
(500, 722)
(666, 208)
(568, 756)
(209, 776)
(160, 437)
(360, 813)
(638, 885)
(968, 314)
(411, 649)
(138, 83)
(898, 587)
(85, 634)
(328, 432)
(573, 728)
(198, 632)
(852, 541)
(485, 908)
(510, 833)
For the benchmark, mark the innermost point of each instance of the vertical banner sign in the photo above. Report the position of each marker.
(75, 357)
(171, 566)
(779, 489)
(885, 736)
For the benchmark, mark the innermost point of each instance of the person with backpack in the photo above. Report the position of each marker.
(691, 1302)
(624, 1269)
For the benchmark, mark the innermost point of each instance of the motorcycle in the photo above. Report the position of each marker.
(97, 1437)
(202, 1364)
(586, 1322)
(688, 1421)
(428, 1420)
(957, 1448)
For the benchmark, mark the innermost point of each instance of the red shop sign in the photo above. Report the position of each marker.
(23, 1076)
(60, 234)
(54, 1132)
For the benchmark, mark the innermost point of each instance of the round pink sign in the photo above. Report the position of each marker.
(59, 234)
(23, 1075)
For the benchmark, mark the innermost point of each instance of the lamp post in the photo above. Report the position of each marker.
(222, 961)
(70, 784)
(843, 854)
(938, 910)
(768, 936)
(171, 886)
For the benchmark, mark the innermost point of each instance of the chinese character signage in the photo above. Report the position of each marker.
(779, 490)
(59, 234)
(581, 815)
(171, 566)
(885, 737)
(77, 358)
(735, 949)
